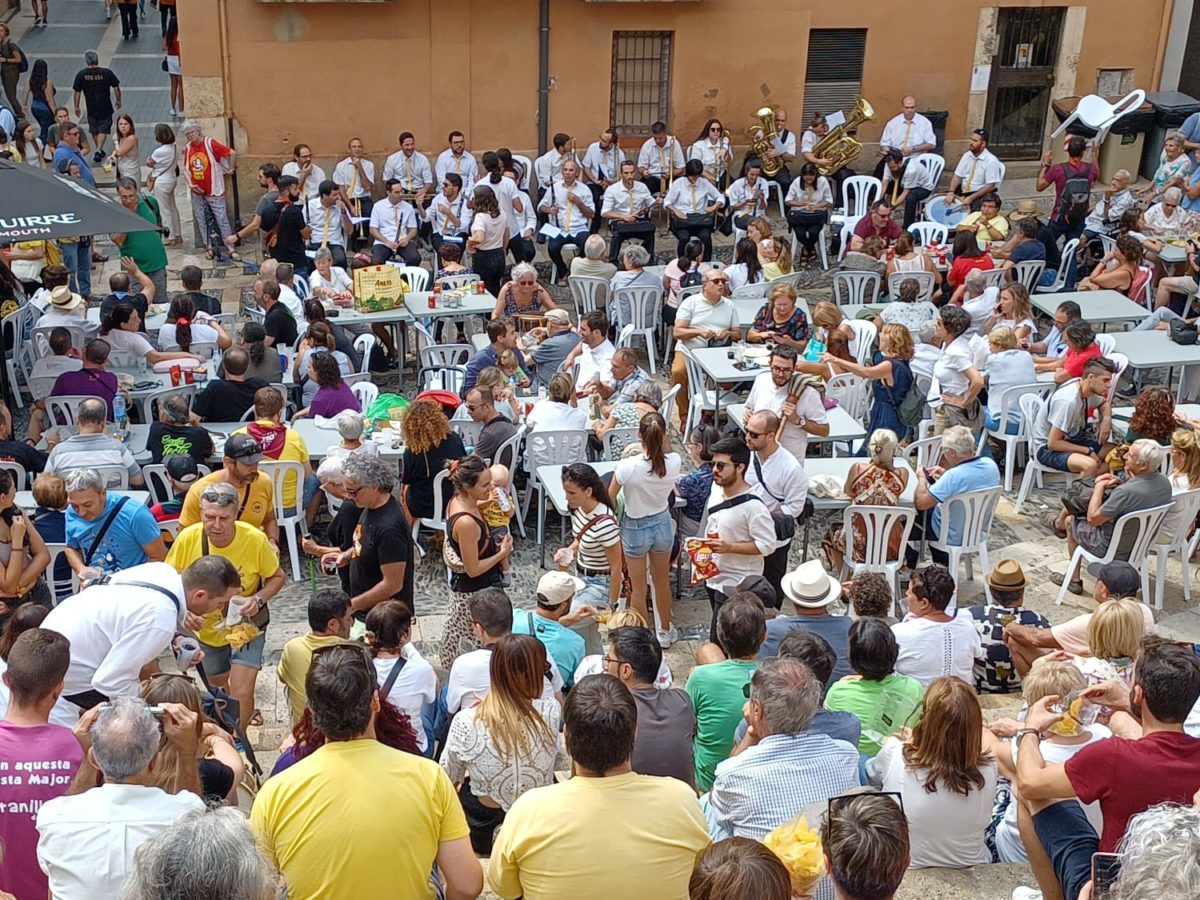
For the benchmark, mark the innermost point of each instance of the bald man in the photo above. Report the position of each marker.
(777, 477)
(910, 133)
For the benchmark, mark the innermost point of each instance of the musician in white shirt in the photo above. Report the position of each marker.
(394, 227)
(712, 148)
(568, 206)
(512, 202)
(548, 167)
(456, 159)
(906, 183)
(977, 174)
(449, 215)
(818, 130)
(660, 160)
(411, 169)
(602, 167)
(627, 205)
(910, 133)
(692, 201)
(521, 225)
(305, 171)
(329, 220)
(786, 156)
(748, 195)
(355, 178)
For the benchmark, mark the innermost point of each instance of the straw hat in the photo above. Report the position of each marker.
(62, 297)
(1026, 209)
(810, 587)
(1007, 576)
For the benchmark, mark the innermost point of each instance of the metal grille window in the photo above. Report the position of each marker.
(833, 80)
(641, 80)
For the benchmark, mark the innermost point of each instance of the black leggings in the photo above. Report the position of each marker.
(481, 820)
(807, 229)
(489, 266)
(129, 19)
(685, 232)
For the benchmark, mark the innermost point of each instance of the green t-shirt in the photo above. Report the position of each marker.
(856, 695)
(146, 247)
(718, 697)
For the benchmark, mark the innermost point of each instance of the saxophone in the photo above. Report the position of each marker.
(760, 134)
(837, 146)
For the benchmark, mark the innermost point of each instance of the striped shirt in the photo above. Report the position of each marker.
(599, 537)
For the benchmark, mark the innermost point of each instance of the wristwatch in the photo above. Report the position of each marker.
(801, 421)
(1024, 731)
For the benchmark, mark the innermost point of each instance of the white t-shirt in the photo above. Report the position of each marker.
(162, 163)
(414, 689)
(750, 521)
(1006, 369)
(471, 677)
(765, 394)
(550, 415)
(951, 368)
(645, 493)
(1065, 411)
(492, 228)
(123, 341)
(201, 334)
(699, 313)
(944, 828)
(929, 650)
(739, 276)
(505, 191)
(981, 308)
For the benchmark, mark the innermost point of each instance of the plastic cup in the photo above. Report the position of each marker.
(186, 652)
(564, 556)
(176, 375)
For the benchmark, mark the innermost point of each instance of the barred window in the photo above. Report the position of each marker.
(641, 80)
(833, 80)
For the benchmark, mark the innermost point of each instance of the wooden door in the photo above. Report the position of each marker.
(1022, 76)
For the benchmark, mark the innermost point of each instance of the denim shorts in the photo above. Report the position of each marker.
(217, 660)
(1070, 841)
(1057, 459)
(649, 534)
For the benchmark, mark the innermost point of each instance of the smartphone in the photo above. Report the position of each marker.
(156, 711)
(1105, 868)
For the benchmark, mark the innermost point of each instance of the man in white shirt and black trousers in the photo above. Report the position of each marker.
(449, 215)
(910, 134)
(627, 205)
(787, 140)
(394, 228)
(693, 202)
(568, 206)
(778, 478)
(355, 178)
(329, 219)
(601, 166)
(740, 531)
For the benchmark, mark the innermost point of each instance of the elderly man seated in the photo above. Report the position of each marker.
(977, 298)
(961, 471)
(92, 447)
(627, 376)
(1088, 521)
(593, 263)
(1105, 216)
(995, 670)
(1023, 246)
(106, 532)
(559, 340)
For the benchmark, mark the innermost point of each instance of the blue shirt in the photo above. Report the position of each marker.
(122, 546)
(972, 475)
(565, 647)
(484, 358)
(835, 629)
(1190, 129)
(1193, 180)
(1028, 250)
(65, 153)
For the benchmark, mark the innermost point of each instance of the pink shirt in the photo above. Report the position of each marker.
(38, 764)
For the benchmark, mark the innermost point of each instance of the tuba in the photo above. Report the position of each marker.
(837, 146)
(761, 134)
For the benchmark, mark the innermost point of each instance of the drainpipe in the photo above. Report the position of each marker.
(1164, 35)
(226, 103)
(543, 74)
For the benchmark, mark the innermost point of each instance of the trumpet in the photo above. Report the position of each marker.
(837, 146)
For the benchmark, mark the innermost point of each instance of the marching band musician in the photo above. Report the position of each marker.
(568, 206)
(910, 133)
(456, 159)
(355, 178)
(712, 148)
(977, 174)
(627, 206)
(818, 128)
(522, 224)
(787, 140)
(692, 202)
(602, 167)
(905, 183)
(394, 227)
(410, 168)
(306, 172)
(329, 219)
(748, 195)
(660, 160)
(449, 215)
(548, 166)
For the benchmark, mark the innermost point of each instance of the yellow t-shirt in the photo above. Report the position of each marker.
(393, 808)
(251, 554)
(254, 508)
(294, 450)
(293, 667)
(546, 849)
(982, 238)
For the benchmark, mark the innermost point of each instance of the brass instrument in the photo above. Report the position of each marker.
(837, 146)
(761, 134)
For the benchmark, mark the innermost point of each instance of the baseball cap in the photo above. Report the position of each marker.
(244, 448)
(558, 316)
(557, 588)
(182, 469)
(760, 588)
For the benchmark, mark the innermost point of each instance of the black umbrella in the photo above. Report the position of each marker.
(37, 205)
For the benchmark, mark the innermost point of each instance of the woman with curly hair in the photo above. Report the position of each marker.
(1153, 417)
(392, 727)
(1118, 270)
(428, 445)
(333, 396)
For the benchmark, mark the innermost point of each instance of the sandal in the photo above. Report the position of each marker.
(235, 256)
(1075, 587)
(257, 718)
(208, 253)
(1051, 520)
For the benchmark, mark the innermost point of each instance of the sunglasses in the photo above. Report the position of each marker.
(718, 281)
(755, 434)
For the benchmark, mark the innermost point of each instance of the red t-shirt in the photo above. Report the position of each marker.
(866, 228)
(1058, 174)
(1074, 361)
(1128, 777)
(200, 163)
(964, 264)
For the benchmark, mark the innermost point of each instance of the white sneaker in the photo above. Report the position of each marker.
(1026, 893)
(668, 637)
(172, 112)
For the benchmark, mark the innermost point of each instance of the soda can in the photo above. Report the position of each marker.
(189, 377)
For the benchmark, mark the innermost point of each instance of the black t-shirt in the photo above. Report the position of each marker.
(279, 324)
(179, 440)
(225, 401)
(96, 82)
(421, 468)
(381, 537)
(139, 301)
(341, 535)
(289, 243)
(204, 303)
(18, 451)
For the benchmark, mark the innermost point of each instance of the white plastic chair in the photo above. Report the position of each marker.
(927, 233)
(924, 453)
(1107, 343)
(702, 399)
(159, 484)
(626, 435)
(436, 522)
(550, 448)
(467, 429)
(366, 392)
(1032, 406)
(364, 344)
(934, 164)
(438, 355)
(859, 192)
(1147, 522)
(853, 288)
(290, 519)
(417, 277)
(878, 522)
(19, 476)
(526, 170)
(977, 509)
(1121, 361)
(1187, 506)
(668, 404)
(847, 235)
(64, 409)
(1145, 294)
(149, 403)
(587, 293)
(645, 313)
(1010, 411)
(864, 339)
(442, 378)
(13, 329)
(1060, 276)
(996, 278)
(1000, 164)
(116, 478)
(822, 247)
(926, 282)
(850, 391)
(1098, 114)
(41, 338)
(1029, 272)
(59, 590)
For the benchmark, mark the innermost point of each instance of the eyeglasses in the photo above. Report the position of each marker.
(615, 662)
(718, 466)
(353, 492)
(718, 281)
(715, 128)
(783, 370)
(471, 407)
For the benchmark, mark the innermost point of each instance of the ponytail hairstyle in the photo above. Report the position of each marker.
(254, 337)
(491, 165)
(118, 314)
(653, 434)
(465, 473)
(182, 313)
(321, 334)
(585, 477)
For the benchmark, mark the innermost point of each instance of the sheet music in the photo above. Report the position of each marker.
(834, 119)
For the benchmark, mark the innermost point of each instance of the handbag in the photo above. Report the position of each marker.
(164, 64)
(785, 525)
(911, 408)
(1183, 332)
(626, 582)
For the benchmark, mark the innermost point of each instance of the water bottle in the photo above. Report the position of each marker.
(119, 417)
(816, 344)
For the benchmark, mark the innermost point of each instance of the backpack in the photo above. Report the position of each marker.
(690, 278)
(1076, 195)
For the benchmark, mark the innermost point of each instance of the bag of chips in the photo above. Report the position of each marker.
(701, 554)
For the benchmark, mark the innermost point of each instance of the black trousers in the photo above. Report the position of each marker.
(774, 568)
(555, 248)
(409, 253)
(489, 266)
(642, 230)
(715, 600)
(685, 231)
(655, 183)
(915, 196)
(597, 202)
(338, 251)
(129, 19)
(912, 552)
(481, 820)
(522, 249)
(784, 179)
(807, 228)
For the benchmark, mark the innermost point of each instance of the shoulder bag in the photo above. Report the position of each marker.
(785, 525)
(626, 582)
(105, 525)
